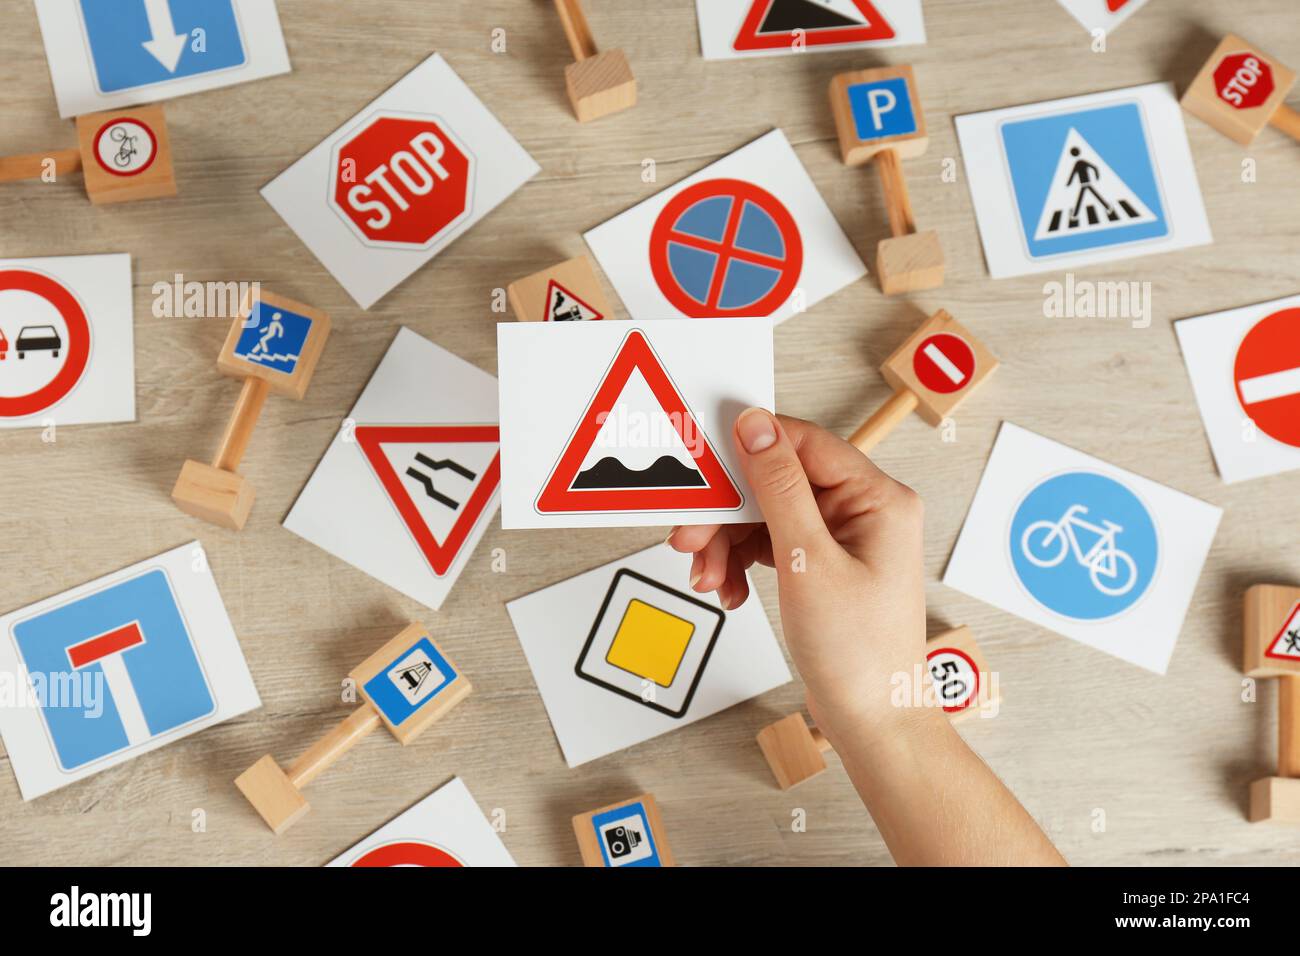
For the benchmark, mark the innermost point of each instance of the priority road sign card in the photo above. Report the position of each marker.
(628, 651)
(446, 828)
(748, 236)
(1245, 371)
(730, 29)
(410, 482)
(1094, 178)
(116, 668)
(67, 353)
(1103, 15)
(624, 424)
(1083, 548)
(106, 54)
(396, 184)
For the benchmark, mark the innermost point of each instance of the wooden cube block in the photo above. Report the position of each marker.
(600, 85)
(272, 794)
(910, 263)
(1271, 631)
(566, 292)
(941, 364)
(793, 750)
(956, 668)
(876, 110)
(221, 497)
(1238, 90)
(126, 155)
(410, 682)
(1275, 799)
(630, 833)
(277, 340)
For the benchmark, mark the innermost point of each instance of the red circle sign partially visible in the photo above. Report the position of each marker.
(406, 853)
(1243, 80)
(963, 671)
(78, 344)
(944, 363)
(1267, 375)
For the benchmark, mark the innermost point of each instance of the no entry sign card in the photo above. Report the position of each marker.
(410, 483)
(446, 828)
(747, 236)
(67, 351)
(1245, 370)
(1083, 548)
(730, 29)
(620, 424)
(1102, 14)
(1088, 179)
(116, 668)
(628, 651)
(396, 184)
(109, 53)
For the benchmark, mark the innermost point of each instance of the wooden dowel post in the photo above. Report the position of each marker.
(332, 746)
(897, 200)
(819, 739)
(239, 430)
(579, 35)
(32, 165)
(1287, 120)
(1288, 726)
(874, 429)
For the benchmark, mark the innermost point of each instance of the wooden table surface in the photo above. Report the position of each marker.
(1162, 763)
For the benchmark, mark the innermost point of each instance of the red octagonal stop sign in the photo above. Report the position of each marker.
(1243, 80)
(402, 180)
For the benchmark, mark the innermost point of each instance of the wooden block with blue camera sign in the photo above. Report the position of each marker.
(630, 833)
(877, 110)
(276, 340)
(410, 682)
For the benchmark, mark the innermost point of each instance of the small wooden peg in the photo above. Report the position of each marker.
(597, 83)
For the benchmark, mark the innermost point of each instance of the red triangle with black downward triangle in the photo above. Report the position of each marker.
(777, 24)
(441, 555)
(717, 492)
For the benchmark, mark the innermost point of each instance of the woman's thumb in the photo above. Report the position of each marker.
(777, 478)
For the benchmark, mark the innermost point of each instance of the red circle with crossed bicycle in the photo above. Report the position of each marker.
(725, 248)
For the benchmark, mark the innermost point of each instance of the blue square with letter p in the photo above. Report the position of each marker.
(882, 108)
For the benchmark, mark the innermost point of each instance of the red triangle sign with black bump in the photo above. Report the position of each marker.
(448, 475)
(563, 306)
(779, 24)
(625, 457)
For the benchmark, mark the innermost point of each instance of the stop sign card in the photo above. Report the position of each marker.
(1245, 370)
(621, 424)
(410, 482)
(116, 668)
(628, 651)
(396, 184)
(1083, 548)
(730, 29)
(1088, 179)
(748, 236)
(67, 353)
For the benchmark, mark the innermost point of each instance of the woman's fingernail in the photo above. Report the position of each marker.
(757, 430)
(670, 535)
(697, 571)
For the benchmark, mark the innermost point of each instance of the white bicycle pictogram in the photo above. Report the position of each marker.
(1112, 570)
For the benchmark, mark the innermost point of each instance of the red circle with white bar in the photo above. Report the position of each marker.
(944, 363)
(407, 853)
(1266, 375)
(956, 670)
(77, 346)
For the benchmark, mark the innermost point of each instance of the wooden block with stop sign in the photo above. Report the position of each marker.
(407, 685)
(566, 292)
(628, 833)
(933, 372)
(598, 83)
(1240, 90)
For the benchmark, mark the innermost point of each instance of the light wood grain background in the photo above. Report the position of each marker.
(1166, 759)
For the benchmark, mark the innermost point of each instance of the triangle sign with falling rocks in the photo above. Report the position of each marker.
(638, 447)
(777, 24)
(440, 478)
(1086, 195)
(563, 306)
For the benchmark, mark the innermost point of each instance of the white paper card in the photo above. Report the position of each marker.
(1088, 179)
(730, 29)
(396, 184)
(621, 424)
(1102, 14)
(116, 668)
(406, 490)
(749, 235)
(628, 651)
(1083, 548)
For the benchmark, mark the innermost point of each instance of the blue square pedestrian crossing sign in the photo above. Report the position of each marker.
(625, 838)
(136, 43)
(415, 678)
(882, 108)
(1084, 180)
(273, 338)
(118, 667)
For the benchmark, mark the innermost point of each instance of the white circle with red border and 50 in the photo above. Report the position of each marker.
(944, 363)
(125, 146)
(956, 679)
(44, 342)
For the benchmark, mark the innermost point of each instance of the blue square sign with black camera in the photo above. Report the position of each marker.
(624, 836)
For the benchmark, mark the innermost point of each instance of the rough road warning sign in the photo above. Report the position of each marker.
(638, 447)
(1267, 375)
(1286, 646)
(440, 478)
(563, 306)
(944, 363)
(778, 24)
(1086, 195)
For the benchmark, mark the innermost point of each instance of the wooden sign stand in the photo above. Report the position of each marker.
(1272, 649)
(597, 83)
(1240, 90)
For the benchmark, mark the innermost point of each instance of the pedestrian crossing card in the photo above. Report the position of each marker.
(623, 424)
(116, 668)
(628, 651)
(1089, 179)
(410, 482)
(730, 29)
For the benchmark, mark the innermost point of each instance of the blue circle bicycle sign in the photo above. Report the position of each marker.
(1084, 546)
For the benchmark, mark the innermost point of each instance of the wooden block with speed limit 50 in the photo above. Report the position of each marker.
(598, 83)
(273, 345)
(629, 833)
(878, 116)
(1272, 649)
(932, 373)
(406, 685)
(955, 678)
(1240, 90)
